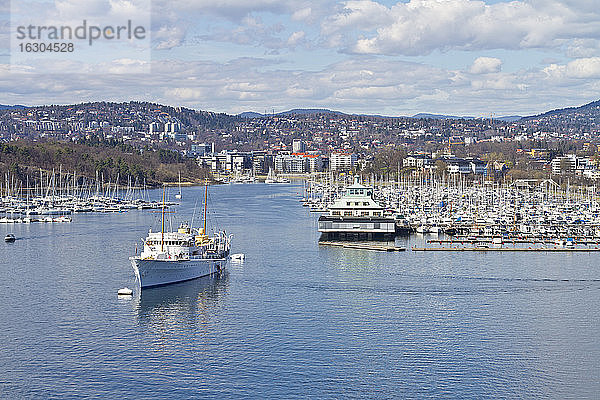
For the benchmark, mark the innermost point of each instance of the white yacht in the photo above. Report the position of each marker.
(185, 254)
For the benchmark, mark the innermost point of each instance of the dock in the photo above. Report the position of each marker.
(512, 249)
(582, 241)
(364, 246)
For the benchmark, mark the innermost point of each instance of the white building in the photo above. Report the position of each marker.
(342, 161)
(417, 161)
(298, 146)
(565, 164)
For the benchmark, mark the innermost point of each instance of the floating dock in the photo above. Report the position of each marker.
(536, 249)
(363, 246)
(581, 241)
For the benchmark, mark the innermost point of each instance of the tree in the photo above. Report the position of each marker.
(441, 167)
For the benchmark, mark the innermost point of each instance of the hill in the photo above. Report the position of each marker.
(590, 109)
(110, 159)
(295, 111)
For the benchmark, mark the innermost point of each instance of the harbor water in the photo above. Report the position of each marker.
(294, 319)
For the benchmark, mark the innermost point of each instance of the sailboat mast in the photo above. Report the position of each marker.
(162, 229)
(205, 201)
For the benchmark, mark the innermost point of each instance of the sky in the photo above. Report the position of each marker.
(397, 58)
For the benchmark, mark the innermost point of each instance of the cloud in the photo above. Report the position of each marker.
(359, 84)
(582, 68)
(295, 38)
(486, 65)
(419, 27)
(167, 37)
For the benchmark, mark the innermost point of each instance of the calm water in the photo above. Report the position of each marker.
(295, 320)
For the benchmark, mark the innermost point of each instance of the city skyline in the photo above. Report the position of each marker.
(459, 57)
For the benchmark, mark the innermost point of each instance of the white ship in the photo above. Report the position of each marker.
(188, 253)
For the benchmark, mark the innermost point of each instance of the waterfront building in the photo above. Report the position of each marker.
(342, 161)
(417, 161)
(356, 215)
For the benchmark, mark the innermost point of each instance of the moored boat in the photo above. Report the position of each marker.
(184, 254)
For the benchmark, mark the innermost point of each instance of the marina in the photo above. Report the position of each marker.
(466, 210)
(60, 194)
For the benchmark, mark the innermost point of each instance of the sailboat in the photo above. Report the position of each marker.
(185, 254)
(273, 178)
(178, 195)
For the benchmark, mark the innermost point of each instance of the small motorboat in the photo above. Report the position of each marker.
(9, 237)
(125, 292)
(238, 257)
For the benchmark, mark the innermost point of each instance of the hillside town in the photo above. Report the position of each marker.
(561, 143)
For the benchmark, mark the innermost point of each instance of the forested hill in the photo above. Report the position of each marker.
(111, 159)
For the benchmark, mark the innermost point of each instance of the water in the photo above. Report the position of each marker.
(295, 320)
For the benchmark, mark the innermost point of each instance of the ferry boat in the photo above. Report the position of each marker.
(356, 215)
(185, 254)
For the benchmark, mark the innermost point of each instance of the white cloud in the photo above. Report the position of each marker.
(167, 37)
(302, 14)
(420, 26)
(295, 38)
(582, 68)
(486, 65)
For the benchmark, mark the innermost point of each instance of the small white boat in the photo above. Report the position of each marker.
(125, 292)
(9, 237)
(238, 257)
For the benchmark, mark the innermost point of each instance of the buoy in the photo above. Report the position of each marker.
(125, 292)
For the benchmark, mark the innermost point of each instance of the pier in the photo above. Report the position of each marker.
(511, 249)
(364, 246)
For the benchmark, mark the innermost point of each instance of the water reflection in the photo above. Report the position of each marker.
(180, 308)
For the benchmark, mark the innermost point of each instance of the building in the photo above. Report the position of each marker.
(290, 164)
(342, 161)
(457, 165)
(198, 150)
(356, 215)
(417, 161)
(298, 146)
(478, 167)
(565, 164)
(298, 163)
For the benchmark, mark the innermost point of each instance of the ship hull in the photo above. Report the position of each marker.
(151, 273)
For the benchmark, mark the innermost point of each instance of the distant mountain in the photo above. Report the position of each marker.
(6, 107)
(509, 118)
(438, 116)
(589, 108)
(304, 111)
(295, 111)
(250, 114)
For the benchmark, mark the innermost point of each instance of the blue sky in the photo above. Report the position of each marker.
(460, 57)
